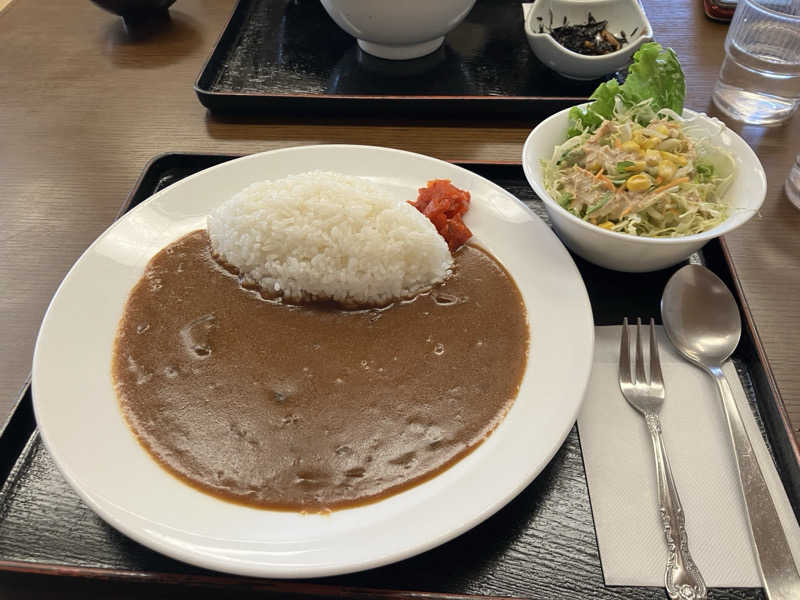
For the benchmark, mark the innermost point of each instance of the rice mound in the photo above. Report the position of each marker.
(326, 236)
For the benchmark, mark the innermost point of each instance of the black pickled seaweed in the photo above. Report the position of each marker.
(591, 38)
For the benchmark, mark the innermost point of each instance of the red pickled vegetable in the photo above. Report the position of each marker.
(444, 204)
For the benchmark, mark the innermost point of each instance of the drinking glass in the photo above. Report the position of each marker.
(793, 183)
(759, 82)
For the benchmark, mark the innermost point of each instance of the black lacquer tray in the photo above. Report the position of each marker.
(541, 545)
(289, 56)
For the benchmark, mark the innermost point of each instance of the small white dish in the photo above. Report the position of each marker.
(635, 254)
(85, 432)
(622, 15)
(398, 30)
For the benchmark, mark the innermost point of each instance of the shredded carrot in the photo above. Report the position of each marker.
(672, 183)
(606, 182)
(626, 211)
(658, 180)
(600, 172)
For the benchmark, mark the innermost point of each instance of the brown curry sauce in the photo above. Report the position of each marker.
(310, 408)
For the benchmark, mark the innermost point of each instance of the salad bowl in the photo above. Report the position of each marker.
(632, 253)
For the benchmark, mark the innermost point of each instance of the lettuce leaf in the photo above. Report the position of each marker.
(602, 108)
(655, 73)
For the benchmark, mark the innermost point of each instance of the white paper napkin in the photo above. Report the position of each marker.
(620, 470)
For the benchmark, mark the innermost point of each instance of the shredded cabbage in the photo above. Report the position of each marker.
(643, 172)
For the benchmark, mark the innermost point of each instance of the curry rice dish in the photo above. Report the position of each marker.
(314, 407)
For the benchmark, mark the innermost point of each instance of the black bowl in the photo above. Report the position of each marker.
(135, 9)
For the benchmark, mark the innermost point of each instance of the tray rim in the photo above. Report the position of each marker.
(287, 586)
(210, 98)
(321, 589)
(751, 331)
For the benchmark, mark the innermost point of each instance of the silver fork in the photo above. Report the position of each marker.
(682, 578)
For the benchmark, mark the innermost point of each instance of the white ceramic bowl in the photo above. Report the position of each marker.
(624, 252)
(622, 15)
(398, 30)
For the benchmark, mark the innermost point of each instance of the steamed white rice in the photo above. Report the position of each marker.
(327, 236)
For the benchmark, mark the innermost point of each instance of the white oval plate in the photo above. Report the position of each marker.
(84, 430)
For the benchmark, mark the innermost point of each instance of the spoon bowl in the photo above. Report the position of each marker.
(700, 316)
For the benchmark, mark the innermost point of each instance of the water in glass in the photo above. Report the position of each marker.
(793, 183)
(759, 81)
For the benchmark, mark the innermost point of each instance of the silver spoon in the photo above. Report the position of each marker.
(702, 320)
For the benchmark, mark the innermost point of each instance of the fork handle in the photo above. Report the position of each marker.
(682, 578)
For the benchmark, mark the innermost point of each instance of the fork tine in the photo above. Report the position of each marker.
(624, 355)
(655, 364)
(640, 374)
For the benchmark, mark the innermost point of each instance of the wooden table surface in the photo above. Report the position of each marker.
(83, 107)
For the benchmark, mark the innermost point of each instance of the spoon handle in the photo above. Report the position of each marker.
(774, 558)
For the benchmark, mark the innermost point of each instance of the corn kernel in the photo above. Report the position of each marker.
(652, 158)
(593, 165)
(662, 129)
(644, 141)
(651, 142)
(676, 158)
(636, 167)
(631, 146)
(606, 225)
(670, 145)
(638, 183)
(666, 170)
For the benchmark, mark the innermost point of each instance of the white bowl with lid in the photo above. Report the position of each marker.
(622, 15)
(398, 30)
